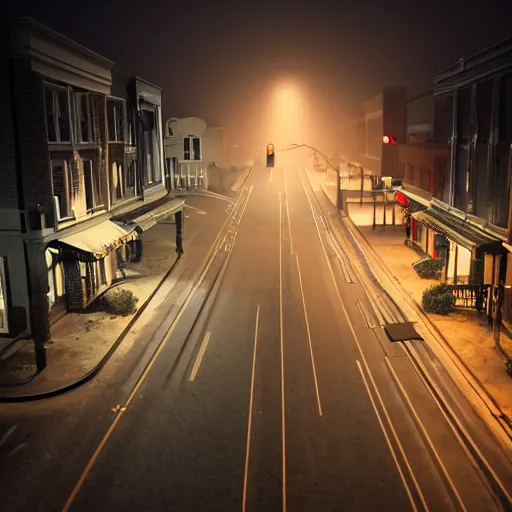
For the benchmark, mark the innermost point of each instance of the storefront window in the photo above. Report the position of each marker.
(4, 326)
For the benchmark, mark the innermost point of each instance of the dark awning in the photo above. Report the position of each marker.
(94, 243)
(149, 219)
(458, 230)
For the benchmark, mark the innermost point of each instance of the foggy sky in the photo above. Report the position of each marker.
(215, 60)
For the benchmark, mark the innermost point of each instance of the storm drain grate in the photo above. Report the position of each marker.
(403, 331)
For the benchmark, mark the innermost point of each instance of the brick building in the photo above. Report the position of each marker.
(81, 163)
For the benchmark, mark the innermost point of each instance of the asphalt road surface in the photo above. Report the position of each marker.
(280, 393)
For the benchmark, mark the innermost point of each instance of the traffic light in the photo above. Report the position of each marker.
(388, 139)
(270, 155)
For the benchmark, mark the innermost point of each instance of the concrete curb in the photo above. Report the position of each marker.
(479, 389)
(486, 398)
(103, 361)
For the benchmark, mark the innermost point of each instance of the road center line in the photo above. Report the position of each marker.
(251, 401)
(200, 355)
(281, 335)
(309, 339)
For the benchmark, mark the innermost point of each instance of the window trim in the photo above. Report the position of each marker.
(67, 186)
(79, 134)
(122, 101)
(99, 203)
(124, 188)
(191, 152)
(55, 87)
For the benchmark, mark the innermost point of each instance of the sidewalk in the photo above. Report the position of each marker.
(464, 331)
(81, 341)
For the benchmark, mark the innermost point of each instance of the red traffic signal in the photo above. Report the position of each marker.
(388, 139)
(270, 155)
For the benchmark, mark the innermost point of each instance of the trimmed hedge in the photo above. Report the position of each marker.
(120, 301)
(438, 299)
(428, 268)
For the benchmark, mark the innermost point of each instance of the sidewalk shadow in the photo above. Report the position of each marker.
(19, 369)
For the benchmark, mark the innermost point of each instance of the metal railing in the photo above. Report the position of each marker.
(470, 296)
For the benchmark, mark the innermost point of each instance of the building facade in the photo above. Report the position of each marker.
(184, 151)
(474, 106)
(361, 140)
(425, 161)
(81, 155)
(460, 163)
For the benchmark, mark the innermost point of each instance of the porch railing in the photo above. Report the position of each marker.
(470, 296)
(191, 175)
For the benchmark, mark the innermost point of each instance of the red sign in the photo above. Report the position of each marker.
(401, 200)
(388, 139)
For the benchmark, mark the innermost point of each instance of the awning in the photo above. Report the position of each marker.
(410, 202)
(97, 241)
(149, 219)
(458, 230)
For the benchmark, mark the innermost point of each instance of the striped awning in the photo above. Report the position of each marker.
(95, 242)
(149, 219)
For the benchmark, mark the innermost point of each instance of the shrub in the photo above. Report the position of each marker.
(438, 299)
(120, 301)
(428, 268)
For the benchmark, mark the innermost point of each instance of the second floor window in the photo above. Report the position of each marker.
(443, 119)
(191, 148)
(115, 115)
(505, 114)
(117, 180)
(57, 113)
(92, 185)
(464, 114)
(84, 117)
(61, 189)
(484, 109)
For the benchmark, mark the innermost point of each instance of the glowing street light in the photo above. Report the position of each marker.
(287, 117)
(270, 155)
